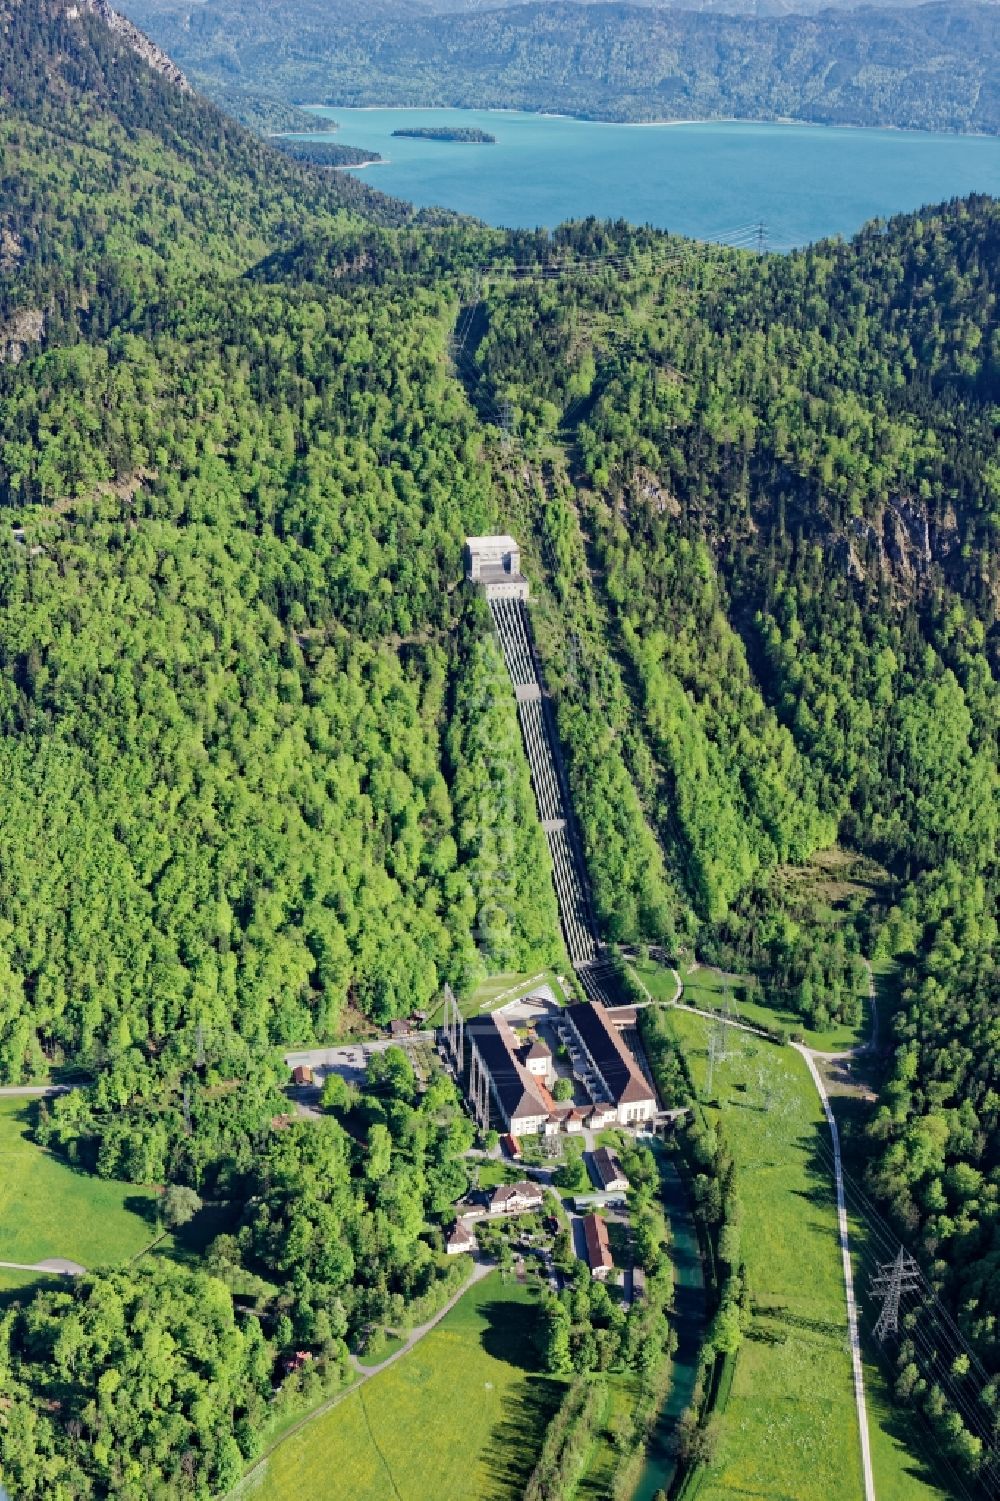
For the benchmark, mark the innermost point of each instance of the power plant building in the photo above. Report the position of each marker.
(495, 564)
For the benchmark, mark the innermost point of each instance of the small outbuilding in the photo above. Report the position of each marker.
(302, 1075)
(599, 1256)
(608, 1174)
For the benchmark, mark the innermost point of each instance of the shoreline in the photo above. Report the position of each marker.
(534, 114)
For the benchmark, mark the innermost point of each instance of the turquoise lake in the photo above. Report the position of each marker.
(707, 180)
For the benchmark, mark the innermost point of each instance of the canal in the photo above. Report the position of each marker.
(690, 1312)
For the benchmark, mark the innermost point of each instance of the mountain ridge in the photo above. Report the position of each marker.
(935, 66)
(140, 43)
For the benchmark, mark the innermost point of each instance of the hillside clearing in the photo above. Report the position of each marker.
(48, 1210)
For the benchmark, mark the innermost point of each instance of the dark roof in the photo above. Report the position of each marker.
(539, 1049)
(512, 1082)
(504, 1192)
(615, 1063)
(596, 1235)
(607, 1167)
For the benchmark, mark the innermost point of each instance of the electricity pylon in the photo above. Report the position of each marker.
(892, 1279)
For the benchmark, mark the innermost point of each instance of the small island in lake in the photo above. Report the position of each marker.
(448, 133)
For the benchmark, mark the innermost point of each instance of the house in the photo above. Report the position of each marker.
(399, 1027)
(538, 1060)
(599, 1257)
(461, 1240)
(293, 1363)
(607, 1171)
(516, 1198)
(595, 1033)
(302, 1075)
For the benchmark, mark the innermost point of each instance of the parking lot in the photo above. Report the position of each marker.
(351, 1061)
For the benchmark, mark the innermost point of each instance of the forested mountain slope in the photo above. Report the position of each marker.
(236, 523)
(260, 757)
(256, 765)
(932, 67)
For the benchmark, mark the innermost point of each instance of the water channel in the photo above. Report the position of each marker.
(690, 1313)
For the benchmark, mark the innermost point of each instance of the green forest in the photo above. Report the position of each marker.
(262, 766)
(928, 67)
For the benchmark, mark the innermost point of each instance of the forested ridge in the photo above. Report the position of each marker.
(931, 67)
(262, 765)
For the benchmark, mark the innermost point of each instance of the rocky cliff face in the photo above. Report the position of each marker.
(19, 332)
(133, 37)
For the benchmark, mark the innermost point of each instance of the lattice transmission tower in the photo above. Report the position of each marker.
(889, 1283)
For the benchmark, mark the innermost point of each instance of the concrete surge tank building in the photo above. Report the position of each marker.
(495, 564)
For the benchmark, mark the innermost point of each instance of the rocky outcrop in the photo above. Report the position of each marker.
(11, 249)
(133, 37)
(18, 332)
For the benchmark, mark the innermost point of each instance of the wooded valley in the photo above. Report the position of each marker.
(262, 766)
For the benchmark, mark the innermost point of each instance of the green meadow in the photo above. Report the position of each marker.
(47, 1209)
(708, 988)
(790, 1429)
(462, 1415)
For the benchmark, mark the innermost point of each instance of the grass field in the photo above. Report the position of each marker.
(706, 987)
(461, 1416)
(47, 1209)
(493, 1171)
(790, 1430)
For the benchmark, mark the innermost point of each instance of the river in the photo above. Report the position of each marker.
(689, 1323)
(704, 179)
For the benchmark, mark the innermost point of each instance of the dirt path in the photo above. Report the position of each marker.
(32, 1091)
(56, 1264)
(812, 1058)
(727, 1021)
(845, 1252)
